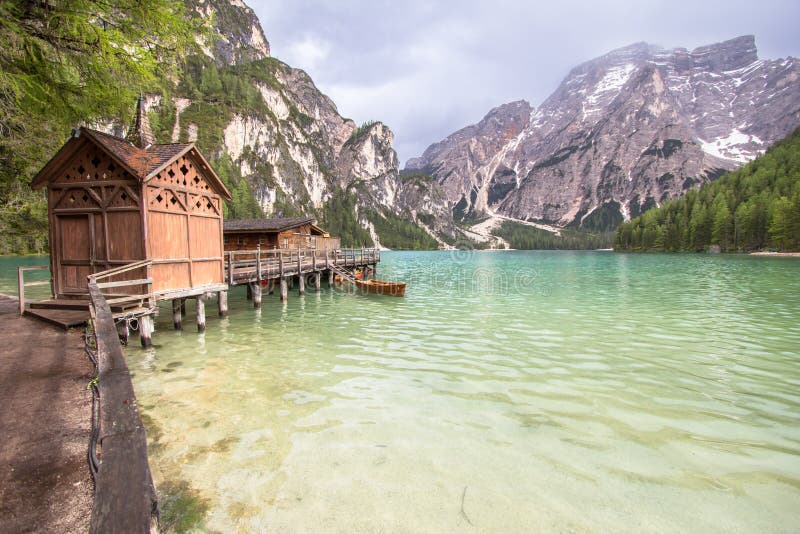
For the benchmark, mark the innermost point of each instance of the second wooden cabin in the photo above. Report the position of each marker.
(278, 233)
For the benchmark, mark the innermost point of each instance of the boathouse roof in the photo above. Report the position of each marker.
(279, 224)
(142, 163)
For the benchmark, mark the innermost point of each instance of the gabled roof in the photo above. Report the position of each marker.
(142, 163)
(267, 225)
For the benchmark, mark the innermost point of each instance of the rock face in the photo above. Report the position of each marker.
(240, 36)
(622, 133)
(285, 138)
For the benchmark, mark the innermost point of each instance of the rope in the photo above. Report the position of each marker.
(91, 454)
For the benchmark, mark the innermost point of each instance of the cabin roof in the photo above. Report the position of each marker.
(267, 225)
(143, 163)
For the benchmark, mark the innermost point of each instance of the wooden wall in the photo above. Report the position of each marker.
(184, 227)
(298, 237)
(95, 221)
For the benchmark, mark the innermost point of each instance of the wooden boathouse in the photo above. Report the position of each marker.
(143, 219)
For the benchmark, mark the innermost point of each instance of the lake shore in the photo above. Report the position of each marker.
(777, 254)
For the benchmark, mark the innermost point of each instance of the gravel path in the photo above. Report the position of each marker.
(45, 413)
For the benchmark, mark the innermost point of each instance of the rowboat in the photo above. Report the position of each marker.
(382, 287)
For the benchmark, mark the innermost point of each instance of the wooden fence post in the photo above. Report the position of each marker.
(258, 263)
(21, 282)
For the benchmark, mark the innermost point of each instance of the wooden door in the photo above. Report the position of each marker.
(75, 234)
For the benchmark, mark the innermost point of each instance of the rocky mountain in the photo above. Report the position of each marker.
(622, 133)
(273, 136)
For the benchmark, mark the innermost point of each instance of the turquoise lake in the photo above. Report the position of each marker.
(507, 392)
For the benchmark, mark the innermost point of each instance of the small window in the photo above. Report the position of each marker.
(285, 242)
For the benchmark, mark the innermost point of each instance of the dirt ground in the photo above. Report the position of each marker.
(45, 419)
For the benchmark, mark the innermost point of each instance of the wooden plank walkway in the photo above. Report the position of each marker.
(45, 416)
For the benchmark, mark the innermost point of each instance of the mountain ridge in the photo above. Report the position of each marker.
(624, 131)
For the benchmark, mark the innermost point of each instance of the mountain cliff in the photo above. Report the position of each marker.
(275, 138)
(622, 133)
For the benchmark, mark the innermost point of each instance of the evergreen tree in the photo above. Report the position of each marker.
(757, 206)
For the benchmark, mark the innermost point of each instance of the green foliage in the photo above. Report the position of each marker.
(360, 132)
(243, 205)
(399, 234)
(63, 63)
(524, 237)
(755, 207)
(339, 218)
(418, 179)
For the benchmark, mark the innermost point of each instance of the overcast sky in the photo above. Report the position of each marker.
(428, 68)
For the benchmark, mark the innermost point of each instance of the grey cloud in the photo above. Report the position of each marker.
(429, 68)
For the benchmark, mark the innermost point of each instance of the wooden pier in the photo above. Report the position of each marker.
(282, 267)
(258, 270)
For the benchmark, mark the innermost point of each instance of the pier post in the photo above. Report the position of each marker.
(256, 294)
(291, 282)
(330, 278)
(317, 281)
(177, 317)
(284, 289)
(201, 314)
(222, 299)
(249, 292)
(301, 282)
(271, 287)
(258, 263)
(183, 307)
(146, 330)
(123, 331)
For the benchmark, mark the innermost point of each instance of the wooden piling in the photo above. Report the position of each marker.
(249, 292)
(256, 288)
(146, 330)
(222, 300)
(123, 331)
(183, 307)
(201, 314)
(284, 288)
(177, 317)
(301, 283)
(318, 281)
(271, 287)
(330, 278)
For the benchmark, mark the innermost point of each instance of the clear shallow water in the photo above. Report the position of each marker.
(510, 391)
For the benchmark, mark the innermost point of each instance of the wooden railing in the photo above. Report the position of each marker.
(22, 284)
(271, 263)
(124, 496)
(141, 299)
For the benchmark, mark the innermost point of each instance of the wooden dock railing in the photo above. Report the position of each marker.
(124, 497)
(243, 266)
(142, 299)
(22, 284)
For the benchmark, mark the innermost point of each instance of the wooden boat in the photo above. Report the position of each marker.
(382, 287)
